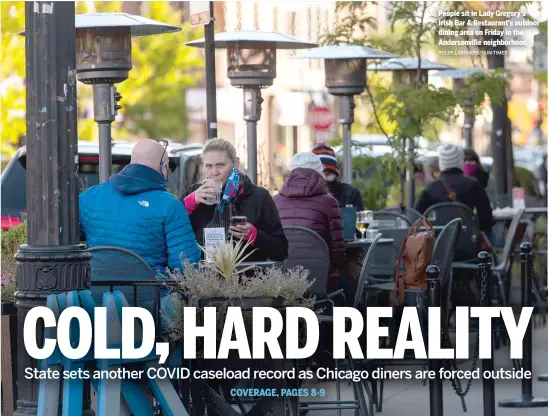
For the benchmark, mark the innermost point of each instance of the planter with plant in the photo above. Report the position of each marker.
(11, 240)
(226, 282)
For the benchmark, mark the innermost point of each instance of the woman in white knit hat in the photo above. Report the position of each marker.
(452, 185)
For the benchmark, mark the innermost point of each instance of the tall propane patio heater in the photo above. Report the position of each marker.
(345, 77)
(252, 66)
(104, 58)
(404, 73)
(459, 77)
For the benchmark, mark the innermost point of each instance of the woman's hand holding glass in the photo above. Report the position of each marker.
(208, 193)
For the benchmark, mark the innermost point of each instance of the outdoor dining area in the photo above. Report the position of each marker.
(121, 278)
(57, 269)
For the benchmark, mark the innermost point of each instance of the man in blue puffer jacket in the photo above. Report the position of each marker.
(133, 210)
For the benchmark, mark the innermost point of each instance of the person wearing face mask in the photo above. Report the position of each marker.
(453, 185)
(133, 210)
(344, 193)
(226, 193)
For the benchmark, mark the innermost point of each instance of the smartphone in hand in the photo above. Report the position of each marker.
(238, 220)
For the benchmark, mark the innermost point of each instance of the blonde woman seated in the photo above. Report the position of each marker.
(237, 197)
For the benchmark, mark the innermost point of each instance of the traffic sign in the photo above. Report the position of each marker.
(321, 118)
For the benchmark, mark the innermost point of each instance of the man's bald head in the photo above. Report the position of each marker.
(148, 152)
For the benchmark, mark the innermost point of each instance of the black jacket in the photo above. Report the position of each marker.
(482, 176)
(257, 205)
(346, 194)
(468, 191)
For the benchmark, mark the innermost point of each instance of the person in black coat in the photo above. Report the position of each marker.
(452, 183)
(240, 197)
(344, 193)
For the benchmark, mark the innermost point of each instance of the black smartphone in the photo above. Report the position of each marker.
(238, 220)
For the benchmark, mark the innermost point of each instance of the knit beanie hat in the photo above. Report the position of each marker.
(450, 156)
(327, 157)
(306, 160)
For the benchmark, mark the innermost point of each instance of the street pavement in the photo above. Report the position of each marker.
(411, 397)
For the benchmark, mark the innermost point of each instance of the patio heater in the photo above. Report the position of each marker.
(251, 56)
(459, 77)
(404, 73)
(104, 58)
(345, 77)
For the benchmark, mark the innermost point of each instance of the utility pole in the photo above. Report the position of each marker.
(503, 168)
(53, 261)
(210, 72)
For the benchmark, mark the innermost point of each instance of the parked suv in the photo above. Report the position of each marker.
(184, 164)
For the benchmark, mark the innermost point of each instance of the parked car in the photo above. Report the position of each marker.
(184, 164)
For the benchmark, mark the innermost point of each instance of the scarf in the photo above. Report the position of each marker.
(231, 191)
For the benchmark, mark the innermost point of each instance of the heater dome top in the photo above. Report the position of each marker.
(139, 26)
(407, 64)
(459, 73)
(254, 38)
(345, 52)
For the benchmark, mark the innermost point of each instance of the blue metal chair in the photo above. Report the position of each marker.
(110, 391)
(363, 397)
(111, 265)
(442, 257)
(383, 259)
(444, 212)
(308, 250)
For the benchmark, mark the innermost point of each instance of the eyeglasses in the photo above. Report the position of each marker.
(165, 144)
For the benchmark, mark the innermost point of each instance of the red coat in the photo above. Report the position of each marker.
(304, 201)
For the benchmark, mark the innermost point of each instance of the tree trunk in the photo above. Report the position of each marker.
(503, 168)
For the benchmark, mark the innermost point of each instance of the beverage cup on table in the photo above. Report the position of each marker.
(362, 222)
(367, 221)
(371, 234)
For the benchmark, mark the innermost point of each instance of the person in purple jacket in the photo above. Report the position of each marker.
(304, 201)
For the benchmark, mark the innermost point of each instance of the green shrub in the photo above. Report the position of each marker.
(372, 180)
(374, 194)
(11, 240)
(8, 291)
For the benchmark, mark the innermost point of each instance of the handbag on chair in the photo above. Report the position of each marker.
(415, 256)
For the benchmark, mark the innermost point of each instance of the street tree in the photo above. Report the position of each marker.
(154, 96)
(12, 86)
(414, 110)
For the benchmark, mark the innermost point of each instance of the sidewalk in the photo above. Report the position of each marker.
(411, 398)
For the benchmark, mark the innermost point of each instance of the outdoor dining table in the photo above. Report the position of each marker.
(508, 214)
(365, 243)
